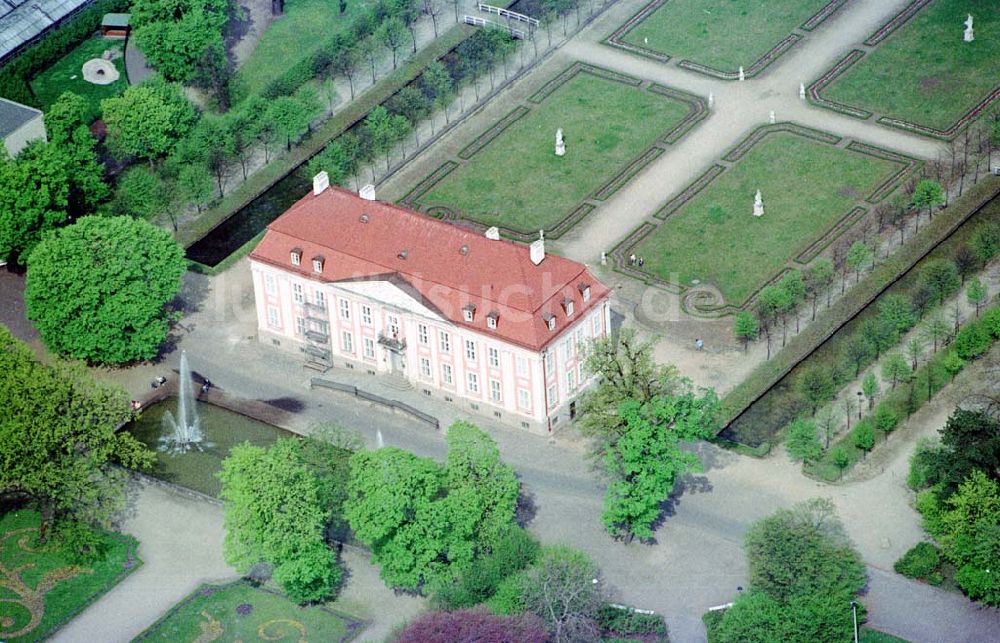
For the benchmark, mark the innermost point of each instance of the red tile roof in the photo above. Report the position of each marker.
(447, 266)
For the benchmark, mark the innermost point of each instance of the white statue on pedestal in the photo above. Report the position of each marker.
(560, 143)
(742, 76)
(969, 34)
(711, 100)
(802, 91)
(770, 117)
(758, 205)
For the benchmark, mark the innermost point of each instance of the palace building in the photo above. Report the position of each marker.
(489, 324)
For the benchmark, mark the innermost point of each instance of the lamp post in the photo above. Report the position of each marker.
(859, 404)
(854, 612)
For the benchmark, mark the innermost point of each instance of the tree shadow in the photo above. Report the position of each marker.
(192, 294)
(289, 404)
(526, 508)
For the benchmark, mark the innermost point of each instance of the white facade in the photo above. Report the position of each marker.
(380, 327)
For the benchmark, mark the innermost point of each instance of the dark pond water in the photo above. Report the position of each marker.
(222, 429)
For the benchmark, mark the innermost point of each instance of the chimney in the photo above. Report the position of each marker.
(538, 248)
(493, 233)
(321, 182)
(367, 192)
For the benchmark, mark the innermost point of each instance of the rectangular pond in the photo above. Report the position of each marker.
(222, 430)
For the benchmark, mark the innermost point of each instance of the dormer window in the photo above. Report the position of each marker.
(567, 305)
(584, 292)
(318, 264)
(491, 320)
(296, 256)
(469, 312)
(550, 320)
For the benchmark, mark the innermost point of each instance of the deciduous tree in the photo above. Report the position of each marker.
(98, 289)
(802, 441)
(146, 120)
(745, 327)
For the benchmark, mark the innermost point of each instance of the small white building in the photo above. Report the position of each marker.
(19, 125)
(493, 325)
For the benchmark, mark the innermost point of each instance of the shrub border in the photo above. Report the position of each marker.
(845, 63)
(737, 152)
(697, 111)
(176, 607)
(616, 39)
(494, 131)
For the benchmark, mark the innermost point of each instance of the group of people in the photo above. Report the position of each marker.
(636, 261)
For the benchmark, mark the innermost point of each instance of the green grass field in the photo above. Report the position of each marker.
(924, 73)
(518, 182)
(69, 587)
(806, 187)
(67, 75)
(305, 27)
(266, 616)
(723, 34)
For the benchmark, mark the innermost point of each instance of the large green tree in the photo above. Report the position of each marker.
(97, 290)
(426, 523)
(58, 439)
(147, 120)
(274, 514)
(176, 35)
(644, 464)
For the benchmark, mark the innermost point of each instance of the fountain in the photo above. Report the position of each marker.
(379, 441)
(182, 433)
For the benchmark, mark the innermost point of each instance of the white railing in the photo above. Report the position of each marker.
(510, 15)
(476, 21)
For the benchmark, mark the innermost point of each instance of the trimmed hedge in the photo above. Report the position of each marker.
(922, 562)
(625, 621)
(16, 74)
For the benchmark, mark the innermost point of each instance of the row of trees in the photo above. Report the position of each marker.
(59, 447)
(876, 331)
(638, 417)
(957, 479)
(805, 576)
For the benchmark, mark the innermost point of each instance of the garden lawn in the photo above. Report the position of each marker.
(66, 75)
(806, 187)
(518, 182)
(267, 616)
(924, 73)
(25, 567)
(306, 26)
(722, 34)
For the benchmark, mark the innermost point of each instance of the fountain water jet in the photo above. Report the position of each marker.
(379, 441)
(182, 433)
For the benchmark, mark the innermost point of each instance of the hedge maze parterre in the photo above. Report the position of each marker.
(915, 73)
(815, 186)
(716, 38)
(597, 109)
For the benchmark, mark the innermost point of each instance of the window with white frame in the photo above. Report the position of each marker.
(273, 317)
(523, 399)
(422, 333)
(393, 326)
(570, 380)
(469, 312)
(425, 367)
(597, 325)
(300, 326)
(347, 341)
(470, 350)
(321, 299)
(495, 394)
(345, 309)
(317, 264)
(473, 383)
(270, 285)
(549, 362)
(553, 396)
(297, 294)
(444, 342)
(296, 257)
(366, 315)
(446, 373)
(494, 356)
(491, 320)
(522, 365)
(369, 347)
